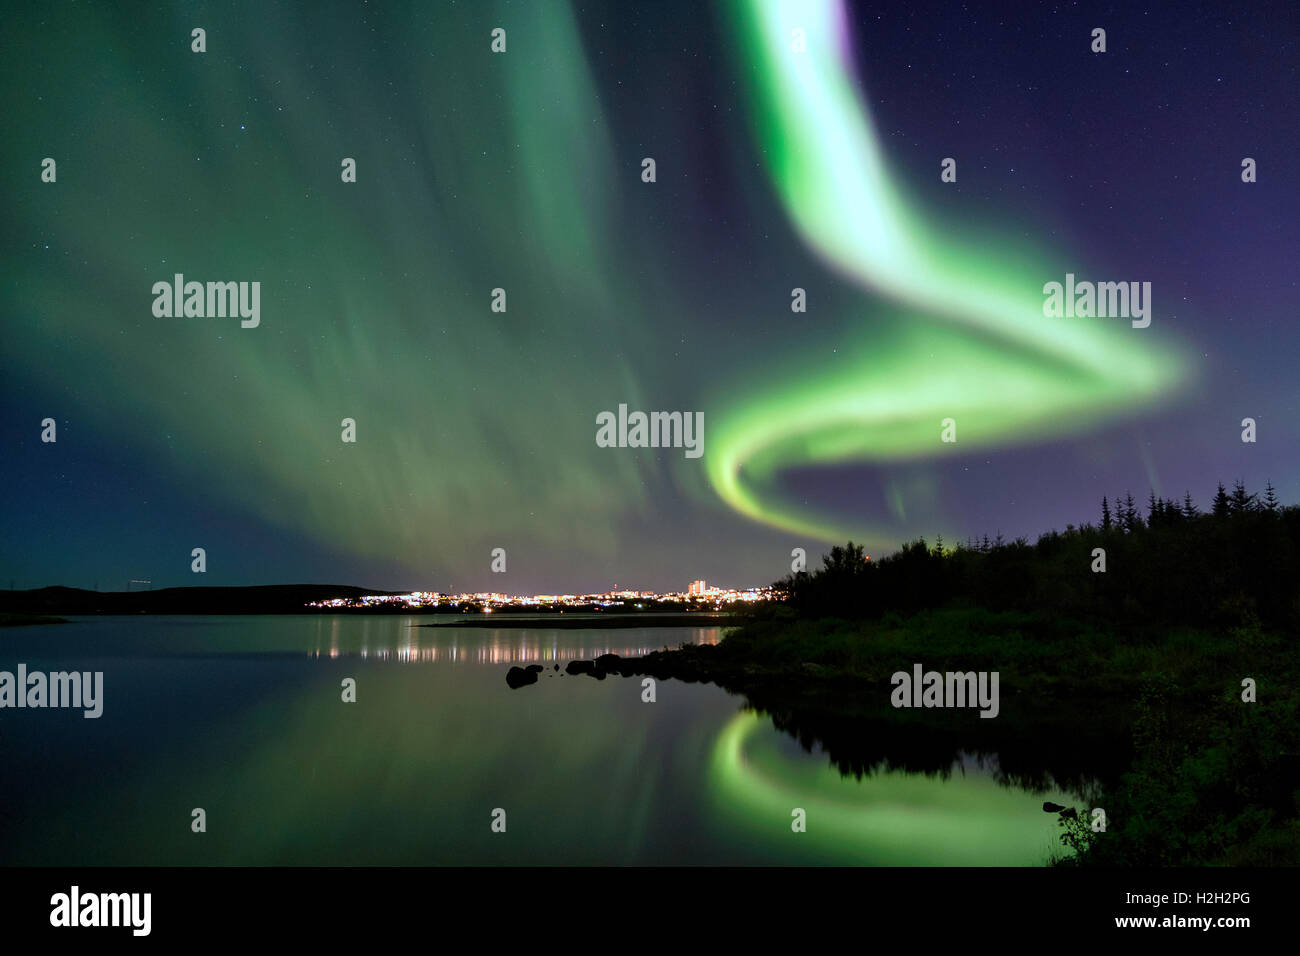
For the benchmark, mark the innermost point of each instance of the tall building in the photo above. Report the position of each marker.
(697, 587)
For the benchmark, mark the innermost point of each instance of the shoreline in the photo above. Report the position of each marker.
(1159, 716)
(27, 620)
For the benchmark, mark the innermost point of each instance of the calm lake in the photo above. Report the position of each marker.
(243, 717)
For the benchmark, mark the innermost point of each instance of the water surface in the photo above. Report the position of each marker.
(243, 717)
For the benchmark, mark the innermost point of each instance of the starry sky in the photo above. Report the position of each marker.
(776, 168)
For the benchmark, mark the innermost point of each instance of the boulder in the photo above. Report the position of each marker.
(517, 677)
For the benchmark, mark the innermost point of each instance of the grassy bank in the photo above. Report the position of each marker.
(1209, 779)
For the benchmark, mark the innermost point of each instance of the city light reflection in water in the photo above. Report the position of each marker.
(246, 715)
(510, 645)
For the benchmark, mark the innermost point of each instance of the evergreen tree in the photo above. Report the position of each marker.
(1270, 498)
(1225, 566)
(1240, 503)
(1131, 518)
(1105, 514)
(1221, 506)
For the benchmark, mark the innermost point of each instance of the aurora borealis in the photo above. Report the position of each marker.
(894, 819)
(522, 171)
(1022, 378)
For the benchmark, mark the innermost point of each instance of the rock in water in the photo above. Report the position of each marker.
(517, 677)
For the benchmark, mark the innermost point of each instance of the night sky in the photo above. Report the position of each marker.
(776, 169)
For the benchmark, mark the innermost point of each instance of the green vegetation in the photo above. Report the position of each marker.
(1034, 653)
(1213, 782)
(1154, 651)
(1237, 563)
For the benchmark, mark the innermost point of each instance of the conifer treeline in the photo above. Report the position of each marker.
(1237, 564)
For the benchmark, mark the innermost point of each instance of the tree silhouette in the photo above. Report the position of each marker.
(1270, 498)
(1130, 520)
(1236, 565)
(1240, 502)
(1221, 506)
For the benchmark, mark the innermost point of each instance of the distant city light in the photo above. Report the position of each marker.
(698, 593)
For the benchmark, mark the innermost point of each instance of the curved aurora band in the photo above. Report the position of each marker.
(475, 430)
(966, 337)
(891, 818)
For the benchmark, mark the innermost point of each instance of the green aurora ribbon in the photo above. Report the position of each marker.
(966, 338)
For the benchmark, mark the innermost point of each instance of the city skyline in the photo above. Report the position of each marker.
(611, 596)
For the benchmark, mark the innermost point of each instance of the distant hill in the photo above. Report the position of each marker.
(265, 599)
